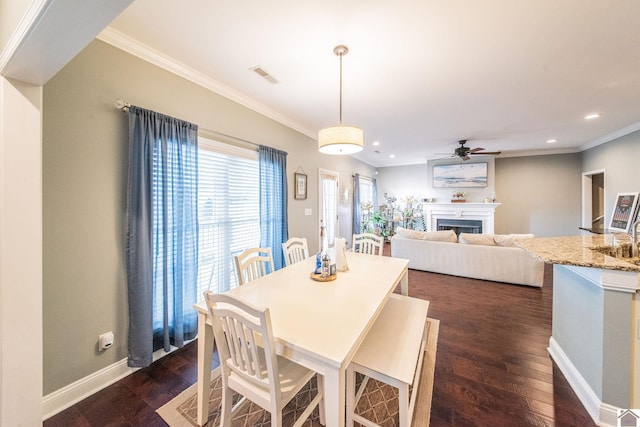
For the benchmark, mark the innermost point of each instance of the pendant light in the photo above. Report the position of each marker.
(340, 139)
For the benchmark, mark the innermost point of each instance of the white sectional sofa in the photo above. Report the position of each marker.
(478, 256)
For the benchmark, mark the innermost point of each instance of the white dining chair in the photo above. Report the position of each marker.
(295, 250)
(253, 264)
(368, 243)
(392, 353)
(249, 364)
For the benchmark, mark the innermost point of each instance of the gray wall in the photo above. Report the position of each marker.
(539, 195)
(417, 181)
(402, 181)
(593, 328)
(84, 183)
(620, 160)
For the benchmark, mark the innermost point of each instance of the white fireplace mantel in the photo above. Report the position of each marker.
(462, 211)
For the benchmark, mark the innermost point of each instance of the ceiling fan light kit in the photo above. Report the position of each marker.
(340, 139)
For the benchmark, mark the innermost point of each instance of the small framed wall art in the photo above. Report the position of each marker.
(623, 212)
(300, 187)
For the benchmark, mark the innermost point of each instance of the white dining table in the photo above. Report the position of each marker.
(319, 325)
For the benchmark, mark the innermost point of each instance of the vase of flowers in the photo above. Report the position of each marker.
(458, 197)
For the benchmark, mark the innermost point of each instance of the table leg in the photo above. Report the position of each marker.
(334, 397)
(404, 283)
(205, 353)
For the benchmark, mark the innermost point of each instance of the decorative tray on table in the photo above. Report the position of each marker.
(319, 278)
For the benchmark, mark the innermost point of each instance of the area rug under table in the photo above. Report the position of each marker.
(379, 402)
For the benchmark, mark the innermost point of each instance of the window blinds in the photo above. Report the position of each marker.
(228, 210)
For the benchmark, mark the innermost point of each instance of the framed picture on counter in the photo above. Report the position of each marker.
(624, 211)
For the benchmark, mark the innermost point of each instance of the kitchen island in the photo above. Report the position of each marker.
(595, 320)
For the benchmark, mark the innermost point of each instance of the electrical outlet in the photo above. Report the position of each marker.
(105, 340)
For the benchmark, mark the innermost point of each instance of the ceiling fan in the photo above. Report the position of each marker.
(464, 152)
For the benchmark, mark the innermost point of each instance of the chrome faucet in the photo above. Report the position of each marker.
(634, 239)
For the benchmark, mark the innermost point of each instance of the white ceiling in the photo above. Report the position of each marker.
(421, 74)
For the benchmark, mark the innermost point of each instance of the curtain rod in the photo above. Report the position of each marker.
(363, 176)
(124, 107)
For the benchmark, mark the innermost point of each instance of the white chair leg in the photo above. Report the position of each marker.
(351, 395)
(225, 412)
(276, 418)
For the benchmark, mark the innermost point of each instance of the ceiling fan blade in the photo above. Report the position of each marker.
(465, 157)
(473, 150)
(488, 152)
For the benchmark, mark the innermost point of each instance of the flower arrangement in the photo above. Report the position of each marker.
(366, 205)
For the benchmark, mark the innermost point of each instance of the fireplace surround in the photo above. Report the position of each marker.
(476, 217)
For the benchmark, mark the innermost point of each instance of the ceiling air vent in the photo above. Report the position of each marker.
(262, 73)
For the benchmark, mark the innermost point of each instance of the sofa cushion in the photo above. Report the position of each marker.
(508, 239)
(436, 236)
(477, 239)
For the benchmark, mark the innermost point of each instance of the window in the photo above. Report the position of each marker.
(366, 191)
(228, 212)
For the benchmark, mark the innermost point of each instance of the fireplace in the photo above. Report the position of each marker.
(461, 217)
(460, 225)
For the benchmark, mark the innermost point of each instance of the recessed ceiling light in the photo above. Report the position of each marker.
(392, 156)
(551, 141)
(376, 143)
(592, 116)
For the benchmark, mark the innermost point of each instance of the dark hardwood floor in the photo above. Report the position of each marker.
(492, 366)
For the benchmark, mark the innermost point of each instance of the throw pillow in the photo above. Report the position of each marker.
(440, 236)
(437, 236)
(477, 239)
(503, 240)
(507, 239)
(409, 234)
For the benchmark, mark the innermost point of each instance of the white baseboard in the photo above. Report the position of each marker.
(603, 414)
(73, 393)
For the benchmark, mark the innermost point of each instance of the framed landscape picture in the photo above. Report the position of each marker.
(463, 175)
(623, 212)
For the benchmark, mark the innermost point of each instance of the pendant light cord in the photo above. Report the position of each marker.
(341, 55)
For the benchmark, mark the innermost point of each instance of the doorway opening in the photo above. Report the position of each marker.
(593, 201)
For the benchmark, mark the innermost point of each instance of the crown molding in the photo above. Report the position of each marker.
(540, 152)
(144, 52)
(25, 27)
(610, 137)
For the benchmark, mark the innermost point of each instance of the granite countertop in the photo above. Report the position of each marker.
(580, 251)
